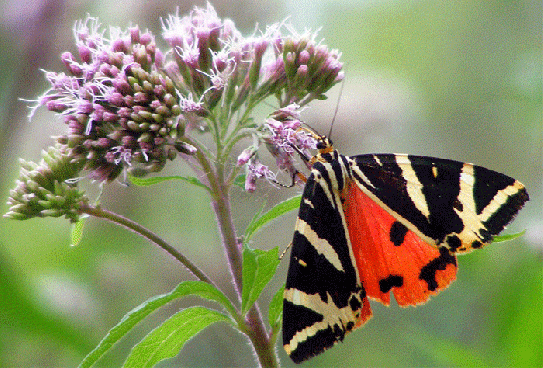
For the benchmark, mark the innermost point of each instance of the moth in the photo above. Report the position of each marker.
(374, 224)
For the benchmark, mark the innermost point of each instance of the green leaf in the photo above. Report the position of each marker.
(168, 339)
(258, 269)
(275, 311)
(137, 314)
(240, 181)
(144, 182)
(502, 238)
(280, 209)
(249, 271)
(77, 231)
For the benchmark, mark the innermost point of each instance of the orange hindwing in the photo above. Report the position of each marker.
(390, 257)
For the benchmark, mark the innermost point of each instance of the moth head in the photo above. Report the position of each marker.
(324, 144)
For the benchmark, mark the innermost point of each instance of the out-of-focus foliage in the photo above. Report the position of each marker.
(453, 79)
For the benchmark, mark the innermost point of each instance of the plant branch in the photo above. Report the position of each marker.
(148, 234)
(256, 330)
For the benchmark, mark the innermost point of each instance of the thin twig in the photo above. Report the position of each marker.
(148, 234)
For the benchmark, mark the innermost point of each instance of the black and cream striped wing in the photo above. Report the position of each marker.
(397, 232)
(447, 203)
(323, 298)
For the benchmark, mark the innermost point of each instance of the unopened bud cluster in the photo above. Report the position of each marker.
(44, 189)
(303, 70)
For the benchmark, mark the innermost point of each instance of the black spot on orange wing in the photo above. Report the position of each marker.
(397, 233)
(378, 257)
(385, 285)
(428, 272)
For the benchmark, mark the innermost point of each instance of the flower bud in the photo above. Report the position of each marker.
(42, 191)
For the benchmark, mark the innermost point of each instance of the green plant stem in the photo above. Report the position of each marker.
(263, 345)
(220, 201)
(256, 331)
(146, 233)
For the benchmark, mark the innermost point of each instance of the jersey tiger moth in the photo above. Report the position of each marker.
(377, 223)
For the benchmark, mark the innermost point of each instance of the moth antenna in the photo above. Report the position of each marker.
(337, 107)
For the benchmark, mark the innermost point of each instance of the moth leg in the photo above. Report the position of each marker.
(284, 251)
(295, 174)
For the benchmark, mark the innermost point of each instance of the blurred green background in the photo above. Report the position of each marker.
(452, 79)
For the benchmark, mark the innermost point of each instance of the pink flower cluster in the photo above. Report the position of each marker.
(130, 107)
